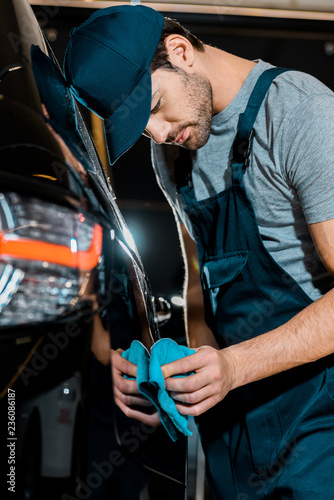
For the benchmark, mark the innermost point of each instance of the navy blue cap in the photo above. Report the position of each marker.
(107, 66)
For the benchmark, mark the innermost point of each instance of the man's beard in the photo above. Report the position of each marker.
(198, 99)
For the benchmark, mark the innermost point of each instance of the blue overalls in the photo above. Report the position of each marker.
(271, 439)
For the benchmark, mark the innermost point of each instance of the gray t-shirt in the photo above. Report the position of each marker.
(290, 179)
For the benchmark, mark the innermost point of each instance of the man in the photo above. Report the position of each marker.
(261, 210)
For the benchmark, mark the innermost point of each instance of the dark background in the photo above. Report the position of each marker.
(303, 45)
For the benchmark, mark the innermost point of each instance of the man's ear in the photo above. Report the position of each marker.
(180, 51)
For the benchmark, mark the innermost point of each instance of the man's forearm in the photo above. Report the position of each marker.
(197, 331)
(307, 337)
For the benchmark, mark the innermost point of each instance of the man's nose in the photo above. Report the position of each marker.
(158, 130)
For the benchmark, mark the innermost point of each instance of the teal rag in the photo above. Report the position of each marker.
(151, 382)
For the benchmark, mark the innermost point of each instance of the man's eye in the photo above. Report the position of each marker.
(156, 107)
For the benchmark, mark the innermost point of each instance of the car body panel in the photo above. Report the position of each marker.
(48, 160)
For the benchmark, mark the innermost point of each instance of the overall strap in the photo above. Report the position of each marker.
(243, 139)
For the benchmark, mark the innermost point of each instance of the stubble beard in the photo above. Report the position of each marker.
(199, 100)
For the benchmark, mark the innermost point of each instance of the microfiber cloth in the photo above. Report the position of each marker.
(151, 382)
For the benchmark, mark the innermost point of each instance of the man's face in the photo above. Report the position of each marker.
(181, 111)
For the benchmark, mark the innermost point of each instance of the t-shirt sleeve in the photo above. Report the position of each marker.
(308, 156)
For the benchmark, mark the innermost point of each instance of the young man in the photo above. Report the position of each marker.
(261, 211)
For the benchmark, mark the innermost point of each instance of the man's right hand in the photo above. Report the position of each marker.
(126, 393)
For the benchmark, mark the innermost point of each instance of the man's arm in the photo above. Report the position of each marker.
(197, 330)
(307, 337)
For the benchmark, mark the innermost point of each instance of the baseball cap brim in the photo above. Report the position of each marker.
(127, 123)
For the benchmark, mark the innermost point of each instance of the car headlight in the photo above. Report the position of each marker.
(48, 257)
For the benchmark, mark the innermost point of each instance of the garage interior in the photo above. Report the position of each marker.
(292, 34)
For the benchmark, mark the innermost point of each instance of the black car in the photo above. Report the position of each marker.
(69, 273)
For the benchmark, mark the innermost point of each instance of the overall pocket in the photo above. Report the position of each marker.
(219, 272)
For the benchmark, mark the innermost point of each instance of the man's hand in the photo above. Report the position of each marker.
(212, 380)
(126, 393)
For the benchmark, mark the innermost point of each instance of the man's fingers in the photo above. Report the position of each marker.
(196, 409)
(126, 394)
(151, 419)
(180, 366)
(131, 399)
(123, 365)
(191, 383)
(190, 398)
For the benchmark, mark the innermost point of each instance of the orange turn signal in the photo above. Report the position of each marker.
(27, 249)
